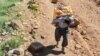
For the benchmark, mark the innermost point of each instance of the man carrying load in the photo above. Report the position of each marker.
(62, 21)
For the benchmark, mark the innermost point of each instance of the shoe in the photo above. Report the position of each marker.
(63, 50)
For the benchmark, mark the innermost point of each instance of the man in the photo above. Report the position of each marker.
(63, 20)
(62, 24)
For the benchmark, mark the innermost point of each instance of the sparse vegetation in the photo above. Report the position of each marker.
(33, 6)
(12, 43)
(4, 11)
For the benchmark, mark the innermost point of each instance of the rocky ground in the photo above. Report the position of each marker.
(83, 41)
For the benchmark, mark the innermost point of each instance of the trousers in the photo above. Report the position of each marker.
(62, 32)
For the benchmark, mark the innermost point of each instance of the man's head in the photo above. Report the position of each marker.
(60, 7)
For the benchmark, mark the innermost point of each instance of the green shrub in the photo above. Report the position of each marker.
(33, 5)
(12, 43)
(9, 29)
(4, 13)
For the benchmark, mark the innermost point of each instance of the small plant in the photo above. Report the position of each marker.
(9, 29)
(33, 5)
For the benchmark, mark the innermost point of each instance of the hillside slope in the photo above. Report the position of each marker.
(79, 45)
(83, 41)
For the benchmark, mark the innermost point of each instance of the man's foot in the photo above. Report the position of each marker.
(63, 50)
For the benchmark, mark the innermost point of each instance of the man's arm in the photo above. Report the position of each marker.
(55, 23)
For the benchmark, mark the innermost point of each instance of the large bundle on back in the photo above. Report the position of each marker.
(67, 10)
(62, 10)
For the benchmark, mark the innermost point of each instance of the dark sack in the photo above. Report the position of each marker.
(35, 47)
(75, 24)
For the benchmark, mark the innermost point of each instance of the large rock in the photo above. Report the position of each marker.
(16, 52)
(35, 47)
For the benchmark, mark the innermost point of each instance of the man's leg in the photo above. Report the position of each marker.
(57, 36)
(65, 41)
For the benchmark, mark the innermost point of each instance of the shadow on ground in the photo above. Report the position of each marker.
(47, 50)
